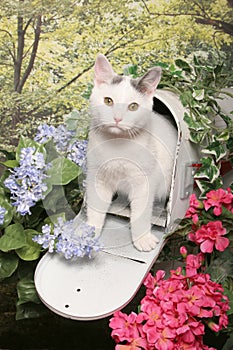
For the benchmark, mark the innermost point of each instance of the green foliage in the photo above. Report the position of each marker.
(200, 87)
(28, 304)
(8, 264)
(62, 171)
(63, 197)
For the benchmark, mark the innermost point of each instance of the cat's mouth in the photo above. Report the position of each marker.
(121, 130)
(116, 128)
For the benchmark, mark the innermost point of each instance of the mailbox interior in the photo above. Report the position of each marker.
(161, 214)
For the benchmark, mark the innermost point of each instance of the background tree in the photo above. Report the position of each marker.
(47, 49)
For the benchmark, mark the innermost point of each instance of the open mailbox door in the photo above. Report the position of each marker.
(88, 289)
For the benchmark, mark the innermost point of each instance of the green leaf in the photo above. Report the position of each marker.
(197, 137)
(9, 210)
(229, 144)
(55, 198)
(71, 120)
(183, 65)
(26, 291)
(199, 94)
(10, 163)
(32, 250)
(186, 98)
(192, 123)
(205, 186)
(223, 136)
(62, 171)
(216, 149)
(208, 170)
(13, 238)
(8, 264)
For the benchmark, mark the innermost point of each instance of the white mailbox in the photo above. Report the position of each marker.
(87, 289)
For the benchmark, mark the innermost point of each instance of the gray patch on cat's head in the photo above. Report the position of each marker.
(117, 79)
(136, 84)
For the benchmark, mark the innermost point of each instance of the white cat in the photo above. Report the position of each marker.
(131, 150)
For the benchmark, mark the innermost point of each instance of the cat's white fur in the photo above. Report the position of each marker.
(128, 151)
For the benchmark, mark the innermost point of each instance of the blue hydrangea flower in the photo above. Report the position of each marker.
(66, 241)
(2, 215)
(47, 239)
(26, 183)
(77, 152)
(44, 133)
(61, 136)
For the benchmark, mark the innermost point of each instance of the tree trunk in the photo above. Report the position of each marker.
(19, 56)
(22, 81)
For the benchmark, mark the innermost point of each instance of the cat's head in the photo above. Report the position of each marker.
(120, 104)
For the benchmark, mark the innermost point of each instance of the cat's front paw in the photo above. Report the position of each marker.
(146, 243)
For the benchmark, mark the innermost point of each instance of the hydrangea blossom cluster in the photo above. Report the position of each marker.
(174, 312)
(26, 183)
(64, 239)
(2, 214)
(77, 153)
(60, 135)
(210, 235)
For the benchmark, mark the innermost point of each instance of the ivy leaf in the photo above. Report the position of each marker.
(8, 264)
(208, 170)
(13, 238)
(216, 149)
(183, 65)
(197, 137)
(186, 98)
(192, 123)
(223, 136)
(199, 94)
(205, 186)
(32, 250)
(62, 171)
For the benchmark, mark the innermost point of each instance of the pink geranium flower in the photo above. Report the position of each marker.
(175, 311)
(125, 327)
(162, 339)
(193, 262)
(194, 205)
(217, 199)
(210, 236)
(136, 344)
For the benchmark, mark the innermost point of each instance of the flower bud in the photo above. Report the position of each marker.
(213, 326)
(183, 251)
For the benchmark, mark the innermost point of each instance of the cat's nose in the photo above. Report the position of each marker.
(117, 119)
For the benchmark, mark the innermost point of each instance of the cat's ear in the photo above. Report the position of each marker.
(149, 82)
(103, 70)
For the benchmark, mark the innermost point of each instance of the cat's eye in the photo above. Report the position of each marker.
(108, 101)
(133, 106)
